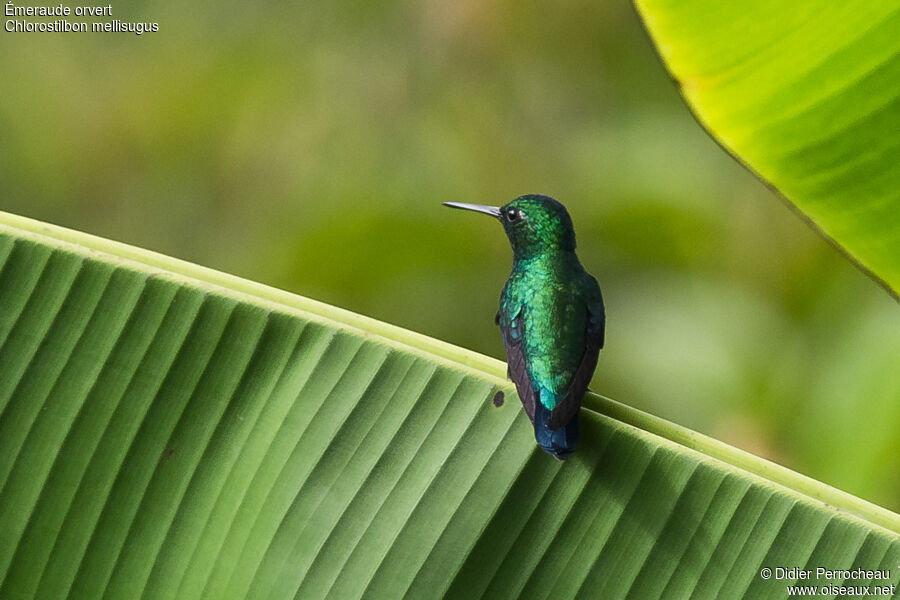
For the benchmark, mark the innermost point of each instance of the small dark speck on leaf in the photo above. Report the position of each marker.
(498, 398)
(167, 453)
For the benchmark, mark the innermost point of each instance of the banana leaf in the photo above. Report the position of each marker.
(168, 431)
(807, 95)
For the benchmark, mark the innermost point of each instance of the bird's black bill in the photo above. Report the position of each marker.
(494, 211)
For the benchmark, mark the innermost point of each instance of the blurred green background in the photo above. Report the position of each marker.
(309, 146)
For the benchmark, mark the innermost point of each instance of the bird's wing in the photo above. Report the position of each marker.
(567, 406)
(512, 329)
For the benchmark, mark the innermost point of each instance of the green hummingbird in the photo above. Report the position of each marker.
(551, 317)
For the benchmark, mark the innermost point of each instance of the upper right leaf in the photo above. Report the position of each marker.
(807, 94)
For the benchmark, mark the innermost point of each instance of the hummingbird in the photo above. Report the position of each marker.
(551, 317)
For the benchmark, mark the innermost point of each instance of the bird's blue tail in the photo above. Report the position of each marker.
(558, 442)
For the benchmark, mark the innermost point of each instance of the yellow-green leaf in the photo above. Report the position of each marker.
(807, 94)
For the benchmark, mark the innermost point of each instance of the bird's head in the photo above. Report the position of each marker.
(534, 224)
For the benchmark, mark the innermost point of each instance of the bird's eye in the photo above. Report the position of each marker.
(513, 214)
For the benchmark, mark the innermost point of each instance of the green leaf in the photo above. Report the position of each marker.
(807, 94)
(167, 431)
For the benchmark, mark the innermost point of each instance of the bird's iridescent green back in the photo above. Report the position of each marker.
(550, 293)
